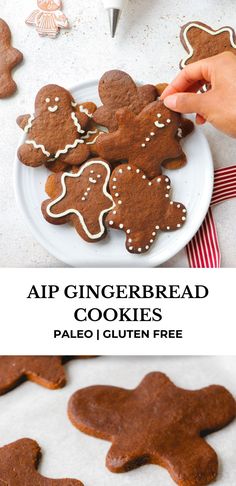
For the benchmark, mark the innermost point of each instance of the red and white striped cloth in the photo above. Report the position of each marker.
(203, 251)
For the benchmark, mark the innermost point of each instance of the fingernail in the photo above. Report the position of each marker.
(171, 101)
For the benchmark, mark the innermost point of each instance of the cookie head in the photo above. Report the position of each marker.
(49, 5)
(5, 34)
(53, 99)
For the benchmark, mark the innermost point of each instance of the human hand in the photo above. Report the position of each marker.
(218, 105)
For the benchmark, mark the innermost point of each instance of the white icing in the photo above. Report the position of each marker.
(76, 122)
(90, 132)
(53, 109)
(75, 211)
(94, 140)
(74, 104)
(29, 124)
(180, 133)
(85, 111)
(92, 180)
(38, 146)
(209, 31)
(159, 125)
(57, 99)
(68, 147)
(47, 100)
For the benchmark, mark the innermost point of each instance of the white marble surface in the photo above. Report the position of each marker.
(146, 46)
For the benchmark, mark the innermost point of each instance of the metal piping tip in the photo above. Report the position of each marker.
(114, 14)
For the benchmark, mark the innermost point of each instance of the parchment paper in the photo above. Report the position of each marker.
(34, 412)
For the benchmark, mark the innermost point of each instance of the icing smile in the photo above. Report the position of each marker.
(53, 109)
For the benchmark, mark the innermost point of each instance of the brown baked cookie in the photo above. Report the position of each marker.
(80, 197)
(118, 90)
(146, 140)
(156, 423)
(9, 58)
(56, 130)
(201, 41)
(19, 462)
(142, 208)
(47, 371)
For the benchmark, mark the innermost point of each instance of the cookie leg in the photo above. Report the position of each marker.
(192, 462)
(47, 372)
(30, 156)
(121, 458)
(76, 156)
(177, 163)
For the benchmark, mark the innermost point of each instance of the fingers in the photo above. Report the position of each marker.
(194, 74)
(187, 103)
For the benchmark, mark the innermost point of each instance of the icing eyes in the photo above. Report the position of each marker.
(57, 99)
(47, 100)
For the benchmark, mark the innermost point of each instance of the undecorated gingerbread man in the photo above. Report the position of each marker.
(56, 131)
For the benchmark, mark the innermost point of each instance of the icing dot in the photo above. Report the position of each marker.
(178, 205)
(147, 139)
(151, 241)
(157, 227)
(91, 171)
(85, 193)
(168, 120)
(168, 227)
(114, 179)
(153, 234)
(113, 187)
(128, 231)
(137, 170)
(88, 189)
(128, 168)
(152, 134)
(47, 100)
(166, 179)
(147, 247)
(159, 179)
(183, 218)
(113, 212)
(121, 226)
(130, 240)
(178, 225)
(149, 183)
(57, 98)
(111, 222)
(139, 249)
(143, 145)
(120, 171)
(83, 198)
(171, 203)
(144, 177)
(119, 202)
(167, 187)
(117, 194)
(166, 195)
(158, 115)
(184, 210)
(131, 248)
(99, 176)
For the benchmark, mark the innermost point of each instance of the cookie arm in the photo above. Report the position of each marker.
(22, 121)
(215, 407)
(47, 372)
(10, 375)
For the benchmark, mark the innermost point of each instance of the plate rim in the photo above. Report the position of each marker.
(152, 261)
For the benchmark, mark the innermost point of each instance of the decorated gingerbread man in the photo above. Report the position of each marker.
(48, 18)
(9, 58)
(80, 197)
(156, 423)
(143, 208)
(147, 140)
(19, 462)
(56, 131)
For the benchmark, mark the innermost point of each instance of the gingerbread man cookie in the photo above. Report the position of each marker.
(118, 90)
(56, 132)
(142, 207)
(81, 198)
(147, 140)
(156, 423)
(48, 18)
(201, 41)
(9, 58)
(47, 371)
(19, 462)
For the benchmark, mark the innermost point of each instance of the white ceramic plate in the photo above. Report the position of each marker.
(192, 185)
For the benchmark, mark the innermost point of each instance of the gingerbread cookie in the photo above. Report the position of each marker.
(48, 18)
(9, 58)
(143, 208)
(19, 462)
(118, 90)
(47, 371)
(201, 41)
(156, 423)
(81, 198)
(146, 140)
(56, 131)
